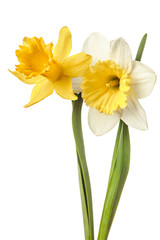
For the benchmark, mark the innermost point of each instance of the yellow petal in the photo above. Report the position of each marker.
(26, 41)
(64, 45)
(41, 91)
(63, 88)
(22, 77)
(76, 65)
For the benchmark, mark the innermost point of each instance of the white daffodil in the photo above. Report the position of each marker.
(113, 84)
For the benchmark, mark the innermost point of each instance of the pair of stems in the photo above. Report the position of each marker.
(118, 172)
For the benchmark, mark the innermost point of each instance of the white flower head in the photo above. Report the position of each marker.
(113, 84)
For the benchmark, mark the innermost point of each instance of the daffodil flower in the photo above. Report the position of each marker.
(50, 69)
(113, 84)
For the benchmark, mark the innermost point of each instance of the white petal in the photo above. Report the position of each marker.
(97, 46)
(143, 79)
(134, 115)
(100, 123)
(120, 53)
(76, 83)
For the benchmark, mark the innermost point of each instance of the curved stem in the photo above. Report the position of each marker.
(85, 187)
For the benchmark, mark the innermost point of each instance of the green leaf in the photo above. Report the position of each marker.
(84, 181)
(141, 48)
(118, 175)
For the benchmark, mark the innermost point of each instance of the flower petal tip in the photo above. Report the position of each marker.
(28, 105)
(145, 126)
(89, 58)
(11, 71)
(65, 28)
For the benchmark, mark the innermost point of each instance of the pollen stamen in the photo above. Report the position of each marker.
(113, 83)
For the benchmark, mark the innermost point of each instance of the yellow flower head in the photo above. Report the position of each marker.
(50, 69)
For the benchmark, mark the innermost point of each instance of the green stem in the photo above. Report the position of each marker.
(84, 181)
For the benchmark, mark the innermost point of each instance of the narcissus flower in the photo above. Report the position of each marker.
(113, 84)
(50, 69)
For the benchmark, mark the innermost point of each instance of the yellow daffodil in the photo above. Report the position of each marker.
(50, 69)
(112, 85)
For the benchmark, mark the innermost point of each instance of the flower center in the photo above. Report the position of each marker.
(105, 87)
(54, 72)
(113, 83)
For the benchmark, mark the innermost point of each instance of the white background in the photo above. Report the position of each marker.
(39, 189)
